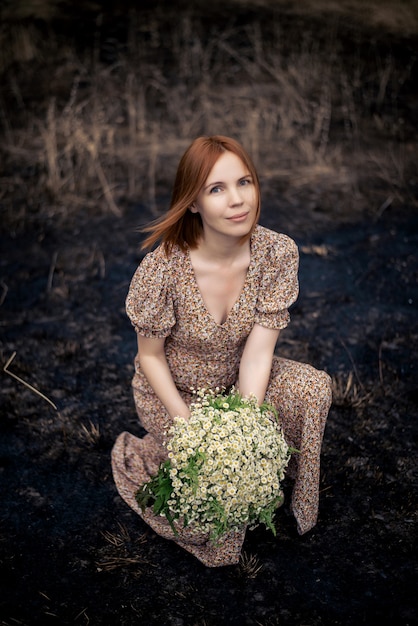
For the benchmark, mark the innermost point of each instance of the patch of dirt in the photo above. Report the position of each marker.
(72, 552)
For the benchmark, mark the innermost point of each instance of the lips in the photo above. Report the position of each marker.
(238, 218)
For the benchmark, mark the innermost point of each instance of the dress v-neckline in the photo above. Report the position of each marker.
(200, 295)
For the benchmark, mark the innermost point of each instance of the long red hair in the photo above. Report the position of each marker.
(179, 226)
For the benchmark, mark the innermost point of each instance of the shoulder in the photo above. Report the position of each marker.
(157, 262)
(266, 242)
(152, 292)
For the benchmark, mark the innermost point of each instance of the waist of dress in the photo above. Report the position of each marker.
(203, 372)
(192, 376)
(226, 355)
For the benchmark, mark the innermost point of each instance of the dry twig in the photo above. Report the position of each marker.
(118, 562)
(39, 393)
(4, 293)
(51, 271)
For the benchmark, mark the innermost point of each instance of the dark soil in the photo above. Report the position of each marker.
(72, 552)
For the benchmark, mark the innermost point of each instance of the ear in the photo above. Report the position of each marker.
(193, 208)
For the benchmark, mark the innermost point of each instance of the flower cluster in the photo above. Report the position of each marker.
(225, 466)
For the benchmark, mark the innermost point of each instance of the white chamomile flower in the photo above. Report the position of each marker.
(225, 463)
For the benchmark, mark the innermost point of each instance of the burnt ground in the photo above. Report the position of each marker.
(72, 552)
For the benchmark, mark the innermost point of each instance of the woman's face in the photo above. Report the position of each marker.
(228, 200)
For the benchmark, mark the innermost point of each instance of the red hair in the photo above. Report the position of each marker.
(179, 226)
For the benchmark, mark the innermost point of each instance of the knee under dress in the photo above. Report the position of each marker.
(164, 301)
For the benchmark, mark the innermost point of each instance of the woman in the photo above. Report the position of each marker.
(208, 305)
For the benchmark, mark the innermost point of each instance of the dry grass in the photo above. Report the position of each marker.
(347, 393)
(117, 562)
(249, 565)
(111, 133)
(120, 551)
(91, 433)
(119, 538)
(396, 16)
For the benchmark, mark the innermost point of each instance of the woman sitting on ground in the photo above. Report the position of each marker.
(208, 305)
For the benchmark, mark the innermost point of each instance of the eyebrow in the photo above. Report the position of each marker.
(221, 182)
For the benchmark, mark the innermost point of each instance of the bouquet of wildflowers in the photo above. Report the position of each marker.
(225, 466)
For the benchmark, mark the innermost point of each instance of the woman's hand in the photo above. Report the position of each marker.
(154, 364)
(256, 361)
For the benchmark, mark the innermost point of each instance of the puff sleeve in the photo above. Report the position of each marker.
(279, 286)
(150, 301)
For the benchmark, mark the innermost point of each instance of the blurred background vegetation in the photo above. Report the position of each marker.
(99, 99)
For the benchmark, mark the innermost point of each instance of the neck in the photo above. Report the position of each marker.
(221, 249)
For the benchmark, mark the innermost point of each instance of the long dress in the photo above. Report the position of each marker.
(164, 301)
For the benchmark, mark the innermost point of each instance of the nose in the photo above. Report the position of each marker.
(235, 198)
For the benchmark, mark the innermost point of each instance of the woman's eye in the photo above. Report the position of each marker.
(245, 181)
(215, 190)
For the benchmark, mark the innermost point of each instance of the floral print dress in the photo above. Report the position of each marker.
(164, 301)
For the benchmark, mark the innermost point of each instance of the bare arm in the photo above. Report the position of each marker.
(256, 361)
(154, 364)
